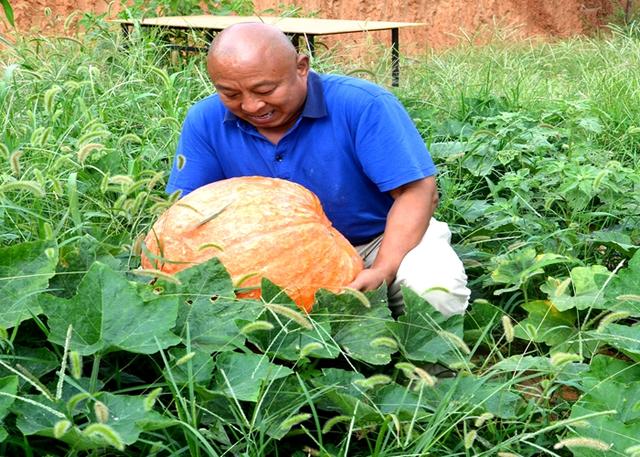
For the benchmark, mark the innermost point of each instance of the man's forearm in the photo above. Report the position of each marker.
(407, 222)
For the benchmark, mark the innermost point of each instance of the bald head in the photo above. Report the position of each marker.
(251, 42)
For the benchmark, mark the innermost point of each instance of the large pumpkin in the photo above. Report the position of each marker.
(262, 226)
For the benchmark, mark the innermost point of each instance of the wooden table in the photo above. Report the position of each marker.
(296, 27)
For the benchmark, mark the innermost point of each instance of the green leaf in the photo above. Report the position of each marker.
(622, 337)
(75, 260)
(442, 150)
(109, 313)
(129, 417)
(37, 415)
(287, 338)
(591, 125)
(471, 210)
(422, 332)
(626, 283)
(610, 368)
(481, 315)
(588, 284)
(340, 393)
(542, 366)
(355, 326)
(38, 361)
(8, 386)
(201, 367)
(8, 11)
(244, 376)
(545, 324)
(609, 384)
(518, 267)
(282, 399)
(218, 406)
(474, 394)
(618, 241)
(25, 270)
(209, 308)
(481, 161)
(401, 401)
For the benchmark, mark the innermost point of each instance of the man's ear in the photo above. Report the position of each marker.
(302, 64)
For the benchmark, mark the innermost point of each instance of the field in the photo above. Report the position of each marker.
(538, 149)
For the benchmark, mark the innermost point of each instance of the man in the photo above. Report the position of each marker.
(347, 140)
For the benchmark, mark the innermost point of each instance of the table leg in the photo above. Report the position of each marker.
(125, 35)
(312, 44)
(395, 57)
(295, 40)
(209, 35)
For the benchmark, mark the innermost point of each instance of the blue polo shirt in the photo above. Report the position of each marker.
(352, 144)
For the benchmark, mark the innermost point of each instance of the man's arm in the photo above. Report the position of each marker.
(407, 222)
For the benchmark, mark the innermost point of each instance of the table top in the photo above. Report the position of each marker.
(298, 25)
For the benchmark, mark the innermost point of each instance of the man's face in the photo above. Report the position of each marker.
(268, 94)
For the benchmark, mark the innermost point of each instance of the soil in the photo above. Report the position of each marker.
(446, 22)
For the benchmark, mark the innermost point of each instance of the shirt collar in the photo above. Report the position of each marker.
(314, 105)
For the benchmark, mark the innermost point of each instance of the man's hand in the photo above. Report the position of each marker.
(370, 279)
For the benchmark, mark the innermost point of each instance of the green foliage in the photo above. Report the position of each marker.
(610, 385)
(144, 8)
(8, 11)
(25, 270)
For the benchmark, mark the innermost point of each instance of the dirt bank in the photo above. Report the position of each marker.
(446, 22)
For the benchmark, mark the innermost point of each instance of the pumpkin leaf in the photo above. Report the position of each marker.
(197, 369)
(480, 316)
(25, 270)
(401, 401)
(473, 394)
(37, 361)
(75, 260)
(244, 376)
(37, 415)
(610, 385)
(625, 286)
(341, 393)
(545, 324)
(286, 340)
(8, 387)
(355, 327)
(425, 334)
(588, 284)
(622, 337)
(208, 307)
(543, 366)
(110, 313)
(618, 241)
(516, 268)
(282, 400)
(127, 416)
(608, 368)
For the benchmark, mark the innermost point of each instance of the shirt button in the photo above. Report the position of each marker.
(279, 157)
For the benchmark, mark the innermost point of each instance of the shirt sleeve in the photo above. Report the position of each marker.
(388, 145)
(195, 163)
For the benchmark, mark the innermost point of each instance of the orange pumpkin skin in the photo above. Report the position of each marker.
(264, 226)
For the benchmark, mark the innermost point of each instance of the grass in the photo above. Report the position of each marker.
(537, 147)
